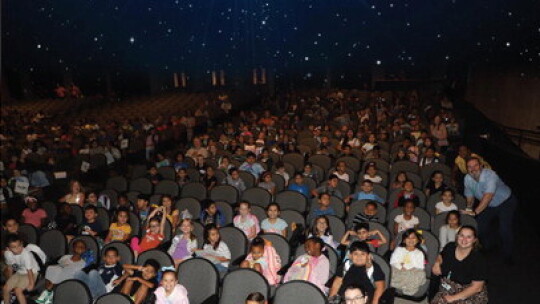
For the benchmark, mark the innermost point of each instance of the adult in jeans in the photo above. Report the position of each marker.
(496, 202)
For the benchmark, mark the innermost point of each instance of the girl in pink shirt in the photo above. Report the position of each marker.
(170, 292)
(313, 266)
(246, 221)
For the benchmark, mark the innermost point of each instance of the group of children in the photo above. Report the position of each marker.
(407, 260)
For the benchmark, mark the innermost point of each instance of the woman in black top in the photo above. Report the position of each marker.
(463, 270)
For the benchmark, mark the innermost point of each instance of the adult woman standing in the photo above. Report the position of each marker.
(463, 271)
(75, 196)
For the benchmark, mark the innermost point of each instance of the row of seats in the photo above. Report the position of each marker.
(197, 270)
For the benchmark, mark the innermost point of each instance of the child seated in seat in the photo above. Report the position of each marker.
(366, 193)
(267, 183)
(280, 170)
(274, 224)
(66, 268)
(138, 282)
(407, 194)
(182, 177)
(321, 229)
(234, 179)
(361, 232)
(447, 202)
(170, 292)
(263, 258)
(371, 173)
(103, 279)
(406, 220)
(447, 233)
(246, 221)
(211, 214)
(214, 249)
(399, 181)
(11, 226)
(22, 268)
(184, 244)
(65, 221)
(90, 224)
(407, 262)
(313, 266)
(359, 269)
(155, 229)
(323, 207)
(435, 184)
(34, 214)
(369, 214)
(120, 230)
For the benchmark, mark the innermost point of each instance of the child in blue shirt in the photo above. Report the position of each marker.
(366, 193)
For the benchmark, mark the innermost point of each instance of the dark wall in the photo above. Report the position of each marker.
(509, 96)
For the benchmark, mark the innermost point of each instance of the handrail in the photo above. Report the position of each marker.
(522, 135)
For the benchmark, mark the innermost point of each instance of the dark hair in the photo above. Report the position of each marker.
(10, 218)
(280, 164)
(359, 246)
(61, 207)
(12, 238)
(435, 173)
(367, 181)
(169, 197)
(399, 173)
(231, 170)
(78, 241)
(317, 240)
(456, 213)
(408, 181)
(361, 226)
(353, 287)
(206, 234)
(91, 207)
(206, 203)
(122, 209)
(448, 190)
(250, 154)
(370, 165)
(324, 193)
(273, 204)
(314, 226)
(256, 296)
(332, 176)
(372, 203)
(257, 242)
(407, 233)
(113, 249)
(409, 201)
(153, 263)
(143, 196)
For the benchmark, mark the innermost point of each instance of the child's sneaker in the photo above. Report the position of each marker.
(43, 297)
(49, 299)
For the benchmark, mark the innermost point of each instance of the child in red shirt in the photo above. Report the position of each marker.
(154, 232)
